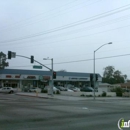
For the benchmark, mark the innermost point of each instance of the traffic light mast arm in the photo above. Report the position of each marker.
(42, 65)
(34, 60)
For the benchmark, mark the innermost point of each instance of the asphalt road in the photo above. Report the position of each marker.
(31, 113)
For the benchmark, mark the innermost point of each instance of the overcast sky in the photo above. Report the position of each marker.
(67, 31)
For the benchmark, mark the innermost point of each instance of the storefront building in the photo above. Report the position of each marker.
(32, 78)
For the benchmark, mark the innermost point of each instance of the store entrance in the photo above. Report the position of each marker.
(13, 84)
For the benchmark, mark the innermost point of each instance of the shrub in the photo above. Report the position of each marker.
(108, 95)
(26, 90)
(118, 90)
(89, 95)
(43, 91)
(57, 92)
(104, 94)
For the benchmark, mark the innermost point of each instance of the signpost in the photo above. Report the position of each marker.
(37, 67)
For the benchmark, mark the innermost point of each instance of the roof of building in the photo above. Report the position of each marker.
(37, 72)
(125, 84)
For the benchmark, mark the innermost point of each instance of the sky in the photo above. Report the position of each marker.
(69, 31)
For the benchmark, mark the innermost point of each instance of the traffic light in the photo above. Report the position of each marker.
(32, 59)
(96, 77)
(54, 75)
(9, 54)
(91, 77)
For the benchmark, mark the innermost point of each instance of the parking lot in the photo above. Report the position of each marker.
(33, 113)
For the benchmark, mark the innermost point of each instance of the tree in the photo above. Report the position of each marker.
(118, 77)
(108, 72)
(112, 76)
(125, 76)
(3, 62)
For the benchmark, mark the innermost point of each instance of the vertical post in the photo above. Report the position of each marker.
(94, 76)
(94, 64)
(52, 75)
(0, 61)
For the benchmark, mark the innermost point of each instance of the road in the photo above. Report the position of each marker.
(32, 113)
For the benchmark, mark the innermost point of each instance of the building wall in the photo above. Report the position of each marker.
(29, 77)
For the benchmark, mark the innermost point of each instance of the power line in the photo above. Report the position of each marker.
(63, 13)
(70, 25)
(120, 19)
(42, 13)
(97, 52)
(83, 60)
(92, 59)
(79, 36)
(84, 20)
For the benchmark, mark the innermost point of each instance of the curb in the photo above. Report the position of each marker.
(88, 99)
(34, 96)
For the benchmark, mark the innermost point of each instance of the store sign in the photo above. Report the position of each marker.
(8, 76)
(31, 77)
(17, 76)
(77, 78)
(44, 77)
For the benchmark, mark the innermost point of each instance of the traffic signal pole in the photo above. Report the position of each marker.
(52, 75)
(34, 60)
(94, 76)
(44, 66)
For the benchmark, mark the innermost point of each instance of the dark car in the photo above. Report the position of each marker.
(87, 89)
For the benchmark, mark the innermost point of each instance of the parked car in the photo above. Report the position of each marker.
(32, 90)
(69, 90)
(69, 86)
(55, 90)
(7, 90)
(76, 89)
(61, 88)
(25, 89)
(87, 89)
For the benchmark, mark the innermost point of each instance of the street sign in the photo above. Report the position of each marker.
(37, 67)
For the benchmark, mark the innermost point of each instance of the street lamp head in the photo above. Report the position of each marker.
(110, 43)
(46, 58)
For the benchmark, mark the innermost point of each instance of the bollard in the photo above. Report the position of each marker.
(36, 93)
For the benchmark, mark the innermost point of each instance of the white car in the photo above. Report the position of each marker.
(7, 90)
(69, 90)
(55, 90)
(76, 89)
(34, 90)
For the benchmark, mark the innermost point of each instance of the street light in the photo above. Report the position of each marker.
(51, 73)
(94, 64)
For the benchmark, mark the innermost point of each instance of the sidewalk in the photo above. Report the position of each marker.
(70, 98)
